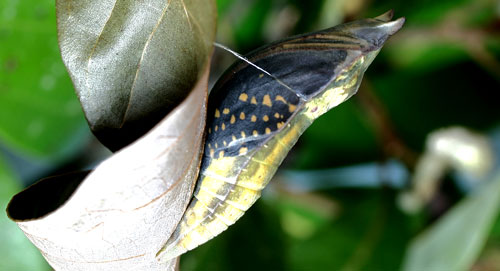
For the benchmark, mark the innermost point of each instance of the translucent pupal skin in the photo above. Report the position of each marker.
(254, 118)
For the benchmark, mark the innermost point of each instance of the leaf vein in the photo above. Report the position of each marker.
(146, 45)
(95, 46)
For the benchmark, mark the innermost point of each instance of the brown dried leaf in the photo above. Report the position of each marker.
(122, 213)
(133, 61)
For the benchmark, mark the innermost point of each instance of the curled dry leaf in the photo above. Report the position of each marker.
(133, 61)
(122, 213)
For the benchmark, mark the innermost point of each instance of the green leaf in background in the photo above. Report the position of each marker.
(457, 238)
(368, 233)
(16, 251)
(131, 61)
(39, 113)
(490, 256)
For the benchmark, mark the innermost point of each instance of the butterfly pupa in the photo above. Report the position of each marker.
(255, 116)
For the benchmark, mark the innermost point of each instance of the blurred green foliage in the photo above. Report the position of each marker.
(39, 115)
(41, 122)
(442, 69)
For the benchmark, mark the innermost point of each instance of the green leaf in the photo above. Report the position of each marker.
(16, 250)
(132, 61)
(39, 114)
(455, 241)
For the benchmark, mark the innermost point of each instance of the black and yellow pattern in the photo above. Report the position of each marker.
(254, 119)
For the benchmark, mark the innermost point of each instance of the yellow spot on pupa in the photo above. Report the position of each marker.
(233, 138)
(216, 145)
(221, 154)
(261, 75)
(268, 131)
(280, 124)
(224, 142)
(223, 126)
(209, 130)
(212, 151)
(254, 118)
(243, 150)
(267, 101)
(225, 111)
(209, 145)
(253, 101)
(216, 128)
(243, 97)
(265, 118)
(280, 99)
(277, 115)
(191, 218)
(243, 135)
(291, 107)
(233, 119)
(255, 133)
(242, 116)
(281, 116)
(217, 113)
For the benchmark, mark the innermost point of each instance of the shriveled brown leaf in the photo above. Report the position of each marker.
(122, 213)
(133, 61)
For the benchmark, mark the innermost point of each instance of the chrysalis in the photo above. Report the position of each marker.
(255, 116)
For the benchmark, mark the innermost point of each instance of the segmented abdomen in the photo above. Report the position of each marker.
(228, 186)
